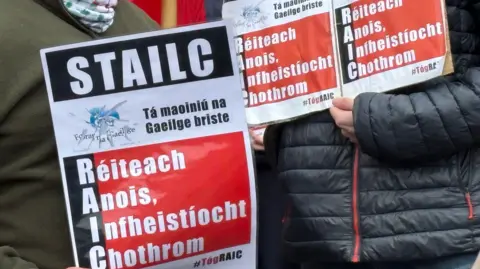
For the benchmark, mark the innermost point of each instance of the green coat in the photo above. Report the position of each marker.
(33, 222)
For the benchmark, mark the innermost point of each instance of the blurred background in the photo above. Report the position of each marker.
(171, 13)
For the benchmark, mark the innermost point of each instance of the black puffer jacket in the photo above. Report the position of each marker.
(413, 190)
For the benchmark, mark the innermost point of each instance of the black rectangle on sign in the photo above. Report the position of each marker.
(82, 230)
(139, 63)
(343, 47)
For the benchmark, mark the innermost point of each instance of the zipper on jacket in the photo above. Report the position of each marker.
(468, 199)
(464, 189)
(356, 217)
(286, 215)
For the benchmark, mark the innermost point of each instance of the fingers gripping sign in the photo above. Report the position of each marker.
(342, 113)
(257, 140)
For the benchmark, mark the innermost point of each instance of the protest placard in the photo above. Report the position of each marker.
(287, 61)
(154, 150)
(297, 55)
(388, 44)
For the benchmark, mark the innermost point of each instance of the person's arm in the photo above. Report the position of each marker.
(9, 259)
(437, 122)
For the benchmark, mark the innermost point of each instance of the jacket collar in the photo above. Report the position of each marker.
(57, 8)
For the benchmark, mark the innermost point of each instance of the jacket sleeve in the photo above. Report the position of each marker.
(213, 9)
(436, 122)
(9, 259)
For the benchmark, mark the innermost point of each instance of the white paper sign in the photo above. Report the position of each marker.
(154, 150)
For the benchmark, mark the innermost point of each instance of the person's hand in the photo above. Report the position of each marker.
(342, 113)
(257, 141)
